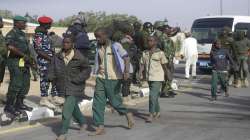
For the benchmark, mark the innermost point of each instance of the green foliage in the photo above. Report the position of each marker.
(97, 19)
(94, 19)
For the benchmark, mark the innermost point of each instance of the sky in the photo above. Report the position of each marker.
(178, 12)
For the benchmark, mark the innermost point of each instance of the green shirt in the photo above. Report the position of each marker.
(18, 39)
(3, 48)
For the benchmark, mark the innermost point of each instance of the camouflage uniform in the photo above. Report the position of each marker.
(167, 46)
(19, 68)
(3, 56)
(242, 45)
(42, 42)
(227, 43)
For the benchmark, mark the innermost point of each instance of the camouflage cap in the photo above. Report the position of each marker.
(227, 29)
(20, 18)
(158, 24)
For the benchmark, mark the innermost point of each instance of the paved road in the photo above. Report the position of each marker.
(189, 116)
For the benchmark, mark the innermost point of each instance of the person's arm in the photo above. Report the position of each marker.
(51, 69)
(85, 71)
(123, 53)
(164, 64)
(231, 61)
(37, 44)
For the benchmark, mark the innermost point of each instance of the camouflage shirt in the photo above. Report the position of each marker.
(3, 48)
(166, 44)
(18, 39)
(42, 42)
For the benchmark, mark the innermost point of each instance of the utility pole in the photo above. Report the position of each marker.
(248, 10)
(221, 7)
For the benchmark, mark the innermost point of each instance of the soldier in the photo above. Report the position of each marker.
(124, 36)
(167, 46)
(44, 50)
(156, 66)
(242, 45)
(112, 65)
(3, 53)
(19, 63)
(227, 43)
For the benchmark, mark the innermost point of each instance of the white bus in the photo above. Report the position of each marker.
(207, 29)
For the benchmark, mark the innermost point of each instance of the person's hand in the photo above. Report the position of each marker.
(126, 76)
(182, 57)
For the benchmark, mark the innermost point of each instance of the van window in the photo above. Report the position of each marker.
(208, 29)
(243, 27)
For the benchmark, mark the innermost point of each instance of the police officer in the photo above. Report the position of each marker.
(3, 53)
(242, 45)
(227, 43)
(44, 50)
(19, 63)
(167, 46)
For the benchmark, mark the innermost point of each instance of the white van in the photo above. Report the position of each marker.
(207, 29)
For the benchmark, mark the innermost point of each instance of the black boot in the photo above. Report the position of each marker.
(21, 106)
(9, 107)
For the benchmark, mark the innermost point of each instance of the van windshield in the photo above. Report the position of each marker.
(208, 29)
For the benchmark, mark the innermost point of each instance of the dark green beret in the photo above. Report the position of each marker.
(20, 18)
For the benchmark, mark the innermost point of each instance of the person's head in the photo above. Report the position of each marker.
(226, 31)
(45, 22)
(68, 42)
(159, 25)
(152, 41)
(148, 26)
(1, 22)
(217, 44)
(188, 34)
(102, 35)
(52, 33)
(137, 26)
(20, 22)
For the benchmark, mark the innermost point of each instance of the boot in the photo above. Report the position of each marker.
(150, 118)
(21, 106)
(130, 120)
(238, 84)
(157, 115)
(46, 102)
(61, 137)
(98, 131)
(83, 128)
(226, 94)
(127, 101)
(246, 83)
(9, 107)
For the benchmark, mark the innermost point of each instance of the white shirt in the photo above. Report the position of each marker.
(189, 48)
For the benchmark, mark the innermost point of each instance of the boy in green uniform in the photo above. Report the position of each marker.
(155, 63)
(111, 66)
(69, 70)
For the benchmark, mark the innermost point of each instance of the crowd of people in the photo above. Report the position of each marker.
(125, 53)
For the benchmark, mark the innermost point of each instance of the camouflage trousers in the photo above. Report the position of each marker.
(44, 83)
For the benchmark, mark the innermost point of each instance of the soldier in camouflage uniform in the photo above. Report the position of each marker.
(3, 53)
(44, 50)
(227, 43)
(242, 45)
(19, 63)
(123, 32)
(167, 46)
